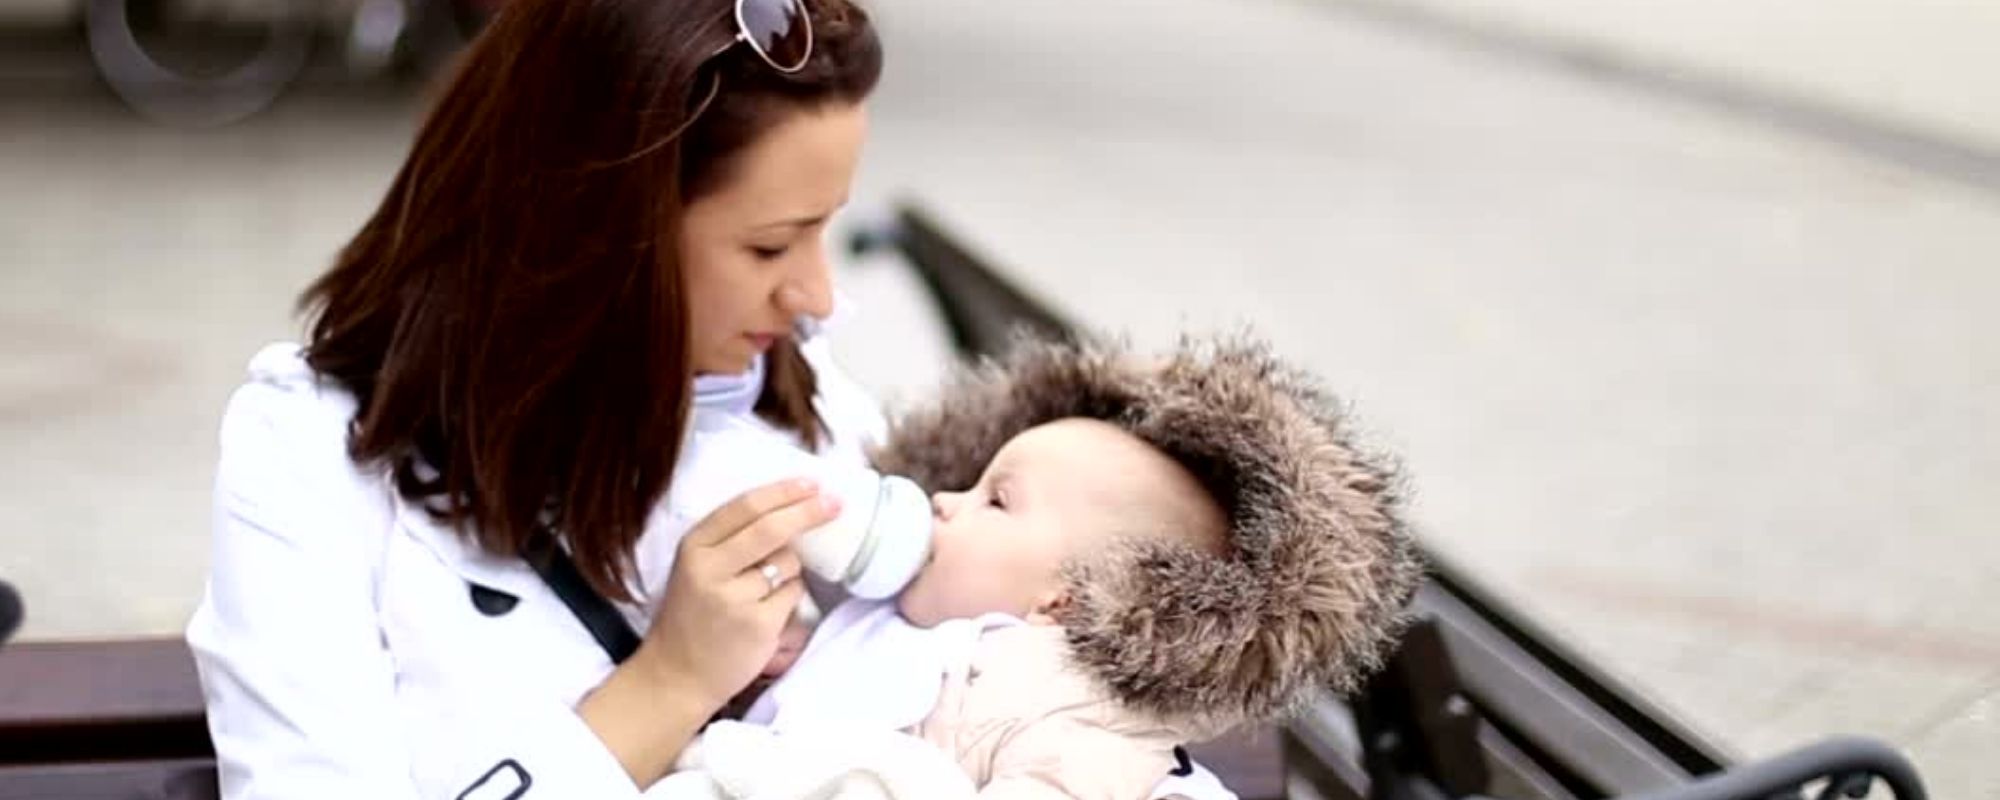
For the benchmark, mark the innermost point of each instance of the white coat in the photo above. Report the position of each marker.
(349, 646)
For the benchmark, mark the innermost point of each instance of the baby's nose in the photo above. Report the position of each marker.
(942, 504)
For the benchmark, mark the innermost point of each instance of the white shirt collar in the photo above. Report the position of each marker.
(730, 394)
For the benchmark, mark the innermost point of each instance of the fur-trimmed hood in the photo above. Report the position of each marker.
(1319, 564)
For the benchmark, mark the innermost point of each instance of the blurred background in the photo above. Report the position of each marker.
(1681, 314)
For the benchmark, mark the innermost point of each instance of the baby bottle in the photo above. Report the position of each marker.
(873, 549)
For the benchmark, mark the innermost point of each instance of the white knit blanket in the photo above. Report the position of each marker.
(737, 761)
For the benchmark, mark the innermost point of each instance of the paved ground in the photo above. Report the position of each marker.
(1914, 62)
(1715, 400)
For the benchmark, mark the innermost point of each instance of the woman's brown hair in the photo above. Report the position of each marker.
(512, 318)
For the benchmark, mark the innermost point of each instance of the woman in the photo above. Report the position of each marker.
(435, 540)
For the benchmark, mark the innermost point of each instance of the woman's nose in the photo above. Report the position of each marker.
(810, 294)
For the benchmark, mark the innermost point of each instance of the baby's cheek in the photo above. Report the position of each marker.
(913, 603)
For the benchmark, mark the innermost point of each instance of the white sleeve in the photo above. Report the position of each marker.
(300, 687)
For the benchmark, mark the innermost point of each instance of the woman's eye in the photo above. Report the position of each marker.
(767, 253)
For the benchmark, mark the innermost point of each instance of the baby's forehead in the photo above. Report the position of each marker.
(1093, 456)
(1099, 471)
(1079, 442)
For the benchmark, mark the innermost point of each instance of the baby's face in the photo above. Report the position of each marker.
(1052, 493)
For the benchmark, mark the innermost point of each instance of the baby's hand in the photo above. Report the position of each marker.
(791, 642)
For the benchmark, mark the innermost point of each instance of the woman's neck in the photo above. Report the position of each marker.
(735, 393)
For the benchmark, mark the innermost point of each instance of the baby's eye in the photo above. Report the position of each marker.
(997, 500)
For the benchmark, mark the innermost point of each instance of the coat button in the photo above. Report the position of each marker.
(492, 602)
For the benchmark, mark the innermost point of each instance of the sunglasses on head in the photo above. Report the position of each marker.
(781, 33)
(779, 30)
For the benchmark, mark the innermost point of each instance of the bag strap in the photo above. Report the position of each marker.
(606, 625)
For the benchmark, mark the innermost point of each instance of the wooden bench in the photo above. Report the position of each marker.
(102, 720)
(105, 720)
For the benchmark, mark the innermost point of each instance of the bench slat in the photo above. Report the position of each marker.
(99, 701)
(69, 682)
(190, 779)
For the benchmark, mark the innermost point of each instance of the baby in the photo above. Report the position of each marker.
(977, 662)
(1150, 553)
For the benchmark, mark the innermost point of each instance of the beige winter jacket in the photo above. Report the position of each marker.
(1023, 723)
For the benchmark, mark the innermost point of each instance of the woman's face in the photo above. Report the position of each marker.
(752, 251)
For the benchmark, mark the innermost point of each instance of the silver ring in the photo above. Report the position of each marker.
(771, 575)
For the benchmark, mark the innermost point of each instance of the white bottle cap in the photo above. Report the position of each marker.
(902, 540)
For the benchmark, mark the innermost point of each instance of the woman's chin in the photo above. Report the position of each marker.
(732, 364)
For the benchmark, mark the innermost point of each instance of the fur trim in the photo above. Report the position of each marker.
(1319, 566)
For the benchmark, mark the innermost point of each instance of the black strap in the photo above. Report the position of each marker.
(597, 614)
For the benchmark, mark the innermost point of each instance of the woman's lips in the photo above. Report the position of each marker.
(762, 341)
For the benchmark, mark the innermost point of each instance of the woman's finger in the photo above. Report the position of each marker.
(784, 564)
(780, 605)
(754, 583)
(749, 507)
(769, 609)
(768, 533)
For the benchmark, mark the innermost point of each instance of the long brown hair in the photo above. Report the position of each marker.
(512, 317)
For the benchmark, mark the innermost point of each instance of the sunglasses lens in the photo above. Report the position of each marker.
(779, 29)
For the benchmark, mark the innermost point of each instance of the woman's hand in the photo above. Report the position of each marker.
(720, 622)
